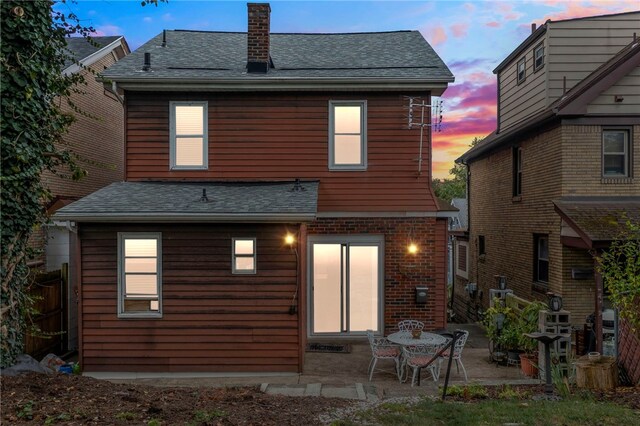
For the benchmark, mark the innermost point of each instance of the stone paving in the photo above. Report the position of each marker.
(345, 375)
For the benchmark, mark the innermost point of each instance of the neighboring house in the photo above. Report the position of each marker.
(458, 248)
(272, 190)
(97, 138)
(555, 181)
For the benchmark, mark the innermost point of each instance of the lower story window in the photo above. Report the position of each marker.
(462, 259)
(139, 274)
(541, 264)
(244, 256)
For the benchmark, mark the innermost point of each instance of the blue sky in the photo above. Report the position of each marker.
(472, 37)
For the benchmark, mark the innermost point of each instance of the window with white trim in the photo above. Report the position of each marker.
(244, 255)
(188, 135)
(521, 70)
(462, 251)
(615, 153)
(139, 274)
(347, 135)
(538, 57)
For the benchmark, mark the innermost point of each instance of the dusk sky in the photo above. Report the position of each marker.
(472, 37)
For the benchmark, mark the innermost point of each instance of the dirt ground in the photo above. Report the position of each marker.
(76, 400)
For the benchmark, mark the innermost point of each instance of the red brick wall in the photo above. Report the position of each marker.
(402, 271)
(629, 351)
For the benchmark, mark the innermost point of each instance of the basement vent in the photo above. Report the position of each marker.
(328, 348)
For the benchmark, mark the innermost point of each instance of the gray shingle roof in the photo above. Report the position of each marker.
(79, 48)
(165, 201)
(199, 55)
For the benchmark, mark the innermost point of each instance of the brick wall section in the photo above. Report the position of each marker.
(582, 163)
(258, 32)
(629, 351)
(98, 141)
(508, 224)
(561, 161)
(403, 272)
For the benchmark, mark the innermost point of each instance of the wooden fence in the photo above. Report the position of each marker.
(49, 314)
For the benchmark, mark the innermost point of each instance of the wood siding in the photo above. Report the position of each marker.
(519, 101)
(578, 47)
(628, 87)
(285, 136)
(212, 321)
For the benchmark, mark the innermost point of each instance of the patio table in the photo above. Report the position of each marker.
(405, 338)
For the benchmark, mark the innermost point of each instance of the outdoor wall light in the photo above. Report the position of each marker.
(289, 239)
(412, 248)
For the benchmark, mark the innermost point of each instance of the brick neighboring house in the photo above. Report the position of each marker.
(554, 180)
(272, 189)
(98, 140)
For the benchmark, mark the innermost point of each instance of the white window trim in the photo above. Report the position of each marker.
(626, 153)
(234, 255)
(122, 236)
(522, 60)
(460, 272)
(205, 135)
(363, 136)
(535, 57)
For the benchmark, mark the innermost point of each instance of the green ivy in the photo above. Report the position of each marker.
(32, 89)
(619, 267)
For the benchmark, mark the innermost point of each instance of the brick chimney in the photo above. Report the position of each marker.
(258, 37)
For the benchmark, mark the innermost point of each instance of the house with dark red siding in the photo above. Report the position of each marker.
(274, 194)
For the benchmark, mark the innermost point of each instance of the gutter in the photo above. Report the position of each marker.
(183, 218)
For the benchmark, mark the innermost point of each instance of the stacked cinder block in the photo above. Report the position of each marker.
(556, 322)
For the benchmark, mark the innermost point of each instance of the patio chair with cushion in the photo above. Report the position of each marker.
(457, 352)
(419, 356)
(410, 325)
(382, 348)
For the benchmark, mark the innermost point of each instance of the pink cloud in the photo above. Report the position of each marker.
(493, 24)
(459, 30)
(582, 9)
(436, 35)
(506, 11)
(107, 30)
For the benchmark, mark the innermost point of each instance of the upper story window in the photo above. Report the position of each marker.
(188, 135)
(538, 57)
(139, 274)
(347, 135)
(517, 171)
(521, 70)
(541, 261)
(616, 155)
(244, 256)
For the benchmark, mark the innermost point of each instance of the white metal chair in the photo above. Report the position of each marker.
(410, 325)
(419, 356)
(457, 353)
(382, 348)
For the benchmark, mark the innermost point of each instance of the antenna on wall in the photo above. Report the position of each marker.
(416, 118)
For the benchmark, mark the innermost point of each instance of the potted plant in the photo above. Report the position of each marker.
(498, 322)
(528, 323)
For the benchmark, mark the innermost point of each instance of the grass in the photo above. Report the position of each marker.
(569, 412)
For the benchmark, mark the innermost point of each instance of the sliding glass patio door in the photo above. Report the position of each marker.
(346, 284)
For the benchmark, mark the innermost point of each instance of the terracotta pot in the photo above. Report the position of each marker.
(529, 365)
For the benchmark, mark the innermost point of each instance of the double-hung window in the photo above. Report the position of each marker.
(616, 153)
(541, 263)
(521, 70)
(139, 274)
(244, 255)
(538, 57)
(188, 135)
(347, 135)
(517, 171)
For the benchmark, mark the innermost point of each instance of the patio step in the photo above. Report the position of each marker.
(356, 391)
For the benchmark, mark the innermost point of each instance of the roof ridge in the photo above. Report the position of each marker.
(297, 33)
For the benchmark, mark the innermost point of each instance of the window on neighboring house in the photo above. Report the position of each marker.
(616, 154)
(517, 171)
(521, 70)
(189, 135)
(139, 274)
(347, 135)
(541, 264)
(462, 259)
(481, 247)
(538, 57)
(244, 256)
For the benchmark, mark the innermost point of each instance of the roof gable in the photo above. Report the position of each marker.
(79, 48)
